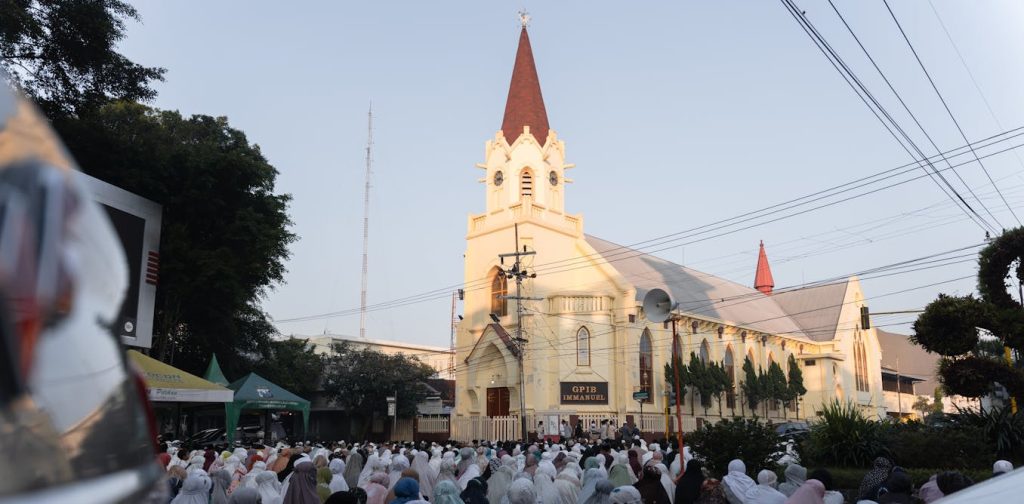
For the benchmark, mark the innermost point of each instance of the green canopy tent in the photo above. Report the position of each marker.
(214, 374)
(256, 392)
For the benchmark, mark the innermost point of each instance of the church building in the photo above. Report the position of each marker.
(587, 349)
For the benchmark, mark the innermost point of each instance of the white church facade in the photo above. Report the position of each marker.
(587, 344)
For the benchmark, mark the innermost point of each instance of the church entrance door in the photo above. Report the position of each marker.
(497, 401)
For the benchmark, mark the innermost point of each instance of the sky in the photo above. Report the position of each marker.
(676, 114)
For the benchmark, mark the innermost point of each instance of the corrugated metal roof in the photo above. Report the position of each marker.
(815, 309)
(700, 294)
(914, 360)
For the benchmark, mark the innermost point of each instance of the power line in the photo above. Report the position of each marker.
(909, 112)
(858, 87)
(483, 282)
(946, 106)
(977, 87)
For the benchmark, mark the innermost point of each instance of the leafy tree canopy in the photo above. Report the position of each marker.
(949, 325)
(224, 234)
(360, 379)
(751, 386)
(795, 384)
(292, 364)
(63, 53)
(755, 443)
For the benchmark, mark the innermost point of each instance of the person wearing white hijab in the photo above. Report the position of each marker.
(195, 464)
(501, 480)
(765, 492)
(666, 481)
(795, 475)
(373, 465)
(471, 471)
(626, 495)
(268, 487)
(195, 489)
(544, 486)
(736, 484)
(521, 492)
(568, 487)
(447, 472)
(249, 480)
(423, 468)
(590, 478)
(399, 463)
(338, 483)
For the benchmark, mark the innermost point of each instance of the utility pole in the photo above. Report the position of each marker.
(451, 342)
(519, 273)
(366, 220)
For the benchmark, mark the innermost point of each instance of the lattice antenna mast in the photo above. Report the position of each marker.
(366, 220)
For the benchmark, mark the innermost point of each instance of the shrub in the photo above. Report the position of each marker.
(752, 441)
(845, 478)
(1002, 429)
(953, 447)
(843, 437)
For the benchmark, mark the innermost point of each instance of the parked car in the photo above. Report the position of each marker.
(792, 428)
(243, 435)
(75, 422)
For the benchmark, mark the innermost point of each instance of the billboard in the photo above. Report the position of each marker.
(137, 222)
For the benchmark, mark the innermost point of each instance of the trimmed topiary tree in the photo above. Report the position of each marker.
(949, 325)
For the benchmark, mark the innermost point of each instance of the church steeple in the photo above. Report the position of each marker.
(763, 280)
(525, 105)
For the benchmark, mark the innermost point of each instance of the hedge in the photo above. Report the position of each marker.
(847, 479)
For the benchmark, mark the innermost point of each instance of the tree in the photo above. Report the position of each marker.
(684, 377)
(719, 381)
(795, 386)
(922, 405)
(292, 364)
(778, 389)
(700, 380)
(751, 385)
(62, 53)
(755, 443)
(360, 380)
(949, 325)
(224, 234)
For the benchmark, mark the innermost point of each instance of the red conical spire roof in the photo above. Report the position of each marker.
(525, 105)
(763, 280)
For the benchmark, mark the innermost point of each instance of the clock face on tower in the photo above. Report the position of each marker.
(553, 178)
(498, 178)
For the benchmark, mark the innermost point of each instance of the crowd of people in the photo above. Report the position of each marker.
(545, 472)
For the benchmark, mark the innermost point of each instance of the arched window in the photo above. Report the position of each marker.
(526, 183)
(646, 365)
(499, 289)
(583, 347)
(730, 374)
(705, 352)
(860, 362)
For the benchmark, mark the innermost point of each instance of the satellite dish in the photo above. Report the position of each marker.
(658, 305)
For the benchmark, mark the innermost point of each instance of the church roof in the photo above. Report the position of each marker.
(701, 294)
(815, 309)
(525, 105)
(763, 280)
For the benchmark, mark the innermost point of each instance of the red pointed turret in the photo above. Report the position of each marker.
(525, 105)
(763, 280)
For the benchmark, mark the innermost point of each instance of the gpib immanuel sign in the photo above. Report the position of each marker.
(583, 393)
